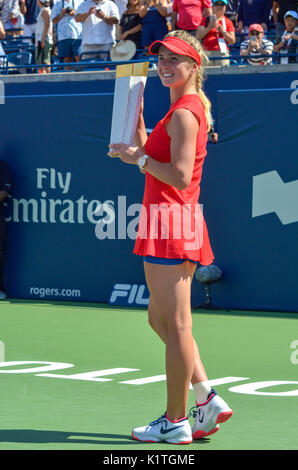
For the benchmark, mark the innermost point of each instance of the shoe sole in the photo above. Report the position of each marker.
(156, 442)
(221, 418)
(200, 434)
(224, 416)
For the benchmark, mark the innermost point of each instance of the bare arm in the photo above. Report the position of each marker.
(143, 10)
(275, 10)
(182, 129)
(23, 7)
(46, 18)
(141, 133)
(127, 33)
(207, 12)
(59, 17)
(174, 19)
(81, 17)
(2, 31)
(204, 30)
(108, 19)
(162, 7)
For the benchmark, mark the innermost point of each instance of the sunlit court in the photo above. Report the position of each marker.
(79, 376)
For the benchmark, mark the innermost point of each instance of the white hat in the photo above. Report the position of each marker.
(123, 50)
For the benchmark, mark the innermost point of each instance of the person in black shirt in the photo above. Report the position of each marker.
(130, 23)
(5, 188)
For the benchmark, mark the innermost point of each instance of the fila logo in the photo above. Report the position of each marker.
(272, 194)
(129, 294)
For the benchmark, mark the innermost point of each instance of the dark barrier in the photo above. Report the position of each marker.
(73, 214)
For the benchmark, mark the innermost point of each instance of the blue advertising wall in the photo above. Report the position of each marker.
(73, 212)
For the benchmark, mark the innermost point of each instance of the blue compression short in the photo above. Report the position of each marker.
(167, 261)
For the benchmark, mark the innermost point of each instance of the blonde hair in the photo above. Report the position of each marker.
(200, 77)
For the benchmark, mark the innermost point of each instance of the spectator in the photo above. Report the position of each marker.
(253, 12)
(130, 23)
(68, 31)
(289, 40)
(30, 18)
(188, 14)
(232, 10)
(154, 23)
(2, 52)
(5, 188)
(256, 46)
(217, 32)
(2, 31)
(12, 18)
(121, 5)
(99, 19)
(279, 9)
(44, 36)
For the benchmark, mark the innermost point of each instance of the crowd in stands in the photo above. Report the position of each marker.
(76, 29)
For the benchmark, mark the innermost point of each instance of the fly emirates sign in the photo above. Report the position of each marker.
(55, 205)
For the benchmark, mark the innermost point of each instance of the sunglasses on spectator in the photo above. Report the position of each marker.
(219, 4)
(255, 33)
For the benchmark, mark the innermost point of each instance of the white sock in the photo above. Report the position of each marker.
(202, 390)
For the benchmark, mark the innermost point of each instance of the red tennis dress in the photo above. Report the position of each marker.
(171, 223)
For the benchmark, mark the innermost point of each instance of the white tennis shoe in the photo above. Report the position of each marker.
(209, 415)
(164, 430)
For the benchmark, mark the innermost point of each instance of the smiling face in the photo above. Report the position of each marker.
(175, 70)
(290, 23)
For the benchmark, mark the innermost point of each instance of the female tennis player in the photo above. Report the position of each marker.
(173, 238)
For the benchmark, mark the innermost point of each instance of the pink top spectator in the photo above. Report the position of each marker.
(190, 12)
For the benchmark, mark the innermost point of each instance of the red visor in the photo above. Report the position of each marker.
(176, 45)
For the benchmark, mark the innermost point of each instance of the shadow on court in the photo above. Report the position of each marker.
(43, 437)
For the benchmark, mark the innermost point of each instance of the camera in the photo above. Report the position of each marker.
(210, 18)
(68, 10)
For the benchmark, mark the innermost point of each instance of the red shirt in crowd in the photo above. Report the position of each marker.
(210, 41)
(190, 12)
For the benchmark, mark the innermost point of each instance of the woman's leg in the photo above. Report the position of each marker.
(170, 288)
(199, 373)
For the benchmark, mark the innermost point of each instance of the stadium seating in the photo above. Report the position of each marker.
(18, 58)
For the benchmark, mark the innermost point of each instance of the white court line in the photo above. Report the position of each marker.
(2, 351)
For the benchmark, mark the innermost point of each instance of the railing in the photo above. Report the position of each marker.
(104, 63)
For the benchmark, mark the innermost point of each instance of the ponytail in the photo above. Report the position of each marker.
(207, 107)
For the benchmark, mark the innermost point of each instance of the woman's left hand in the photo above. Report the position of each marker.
(126, 153)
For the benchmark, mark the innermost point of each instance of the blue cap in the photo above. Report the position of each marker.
(292, 13)
(222, 1)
